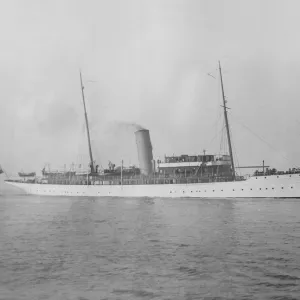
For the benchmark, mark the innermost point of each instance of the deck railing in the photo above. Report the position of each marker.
(131, 180)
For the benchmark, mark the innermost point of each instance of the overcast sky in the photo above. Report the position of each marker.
(148, 63)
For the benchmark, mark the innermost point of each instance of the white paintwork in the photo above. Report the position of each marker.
(275, 186)
(193, 164)
(180, 164)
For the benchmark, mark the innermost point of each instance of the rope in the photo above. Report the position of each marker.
(218, 103)
(216, 135)
(234, 151)
(223, 142)
(262, 139)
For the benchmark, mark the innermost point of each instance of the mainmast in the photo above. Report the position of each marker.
(227, 125)
(87, 128)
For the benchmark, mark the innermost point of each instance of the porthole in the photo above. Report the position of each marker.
(221, 190)
(266, 188)
(292, 187)
(242, 189)
(233, 189)
(260, 189)
(250, 189)
(282, 187)
(213, 190)
(272, 188)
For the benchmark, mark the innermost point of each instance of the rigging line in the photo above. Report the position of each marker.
(225, 147)
(219, 100)
(220, 143)
(222, 139)
(215, 136)
(235, 152)
(220, 119)
(217, 121)
(260, 138)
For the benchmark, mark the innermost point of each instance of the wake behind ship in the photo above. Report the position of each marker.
(198, 176)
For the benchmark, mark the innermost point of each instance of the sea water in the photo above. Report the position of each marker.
(141, 248)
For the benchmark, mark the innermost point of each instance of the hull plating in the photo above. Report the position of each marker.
(281, 186)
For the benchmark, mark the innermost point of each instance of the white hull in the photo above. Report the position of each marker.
(275, 186)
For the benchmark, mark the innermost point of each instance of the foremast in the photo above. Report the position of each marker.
(92, 165)
(227, 124)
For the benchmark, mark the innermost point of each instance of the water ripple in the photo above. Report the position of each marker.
(69, 248)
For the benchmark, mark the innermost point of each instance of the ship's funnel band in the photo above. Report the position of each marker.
(144, 149)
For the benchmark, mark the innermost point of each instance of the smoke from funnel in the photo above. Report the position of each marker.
(130, 126)
(144, 149)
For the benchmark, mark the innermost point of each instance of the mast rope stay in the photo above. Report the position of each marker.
(223, 144)
(260, 138)
(235, 154)
(217, 134)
